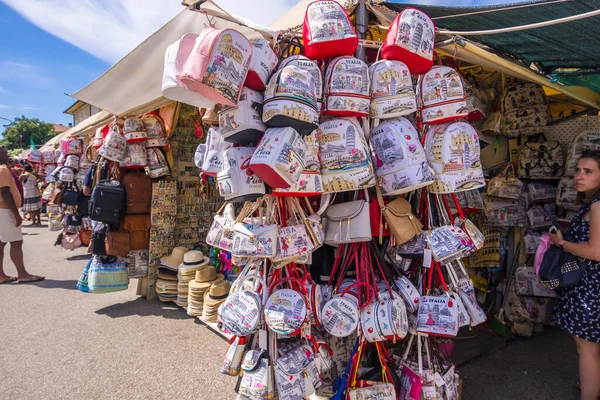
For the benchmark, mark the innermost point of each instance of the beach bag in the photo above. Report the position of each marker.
(238, 183)
(157, 163)
(524, 110)
(82, 283)
(346, 88)
(442, 96)
(138, 187)
(217, 65)
(172, 88)
(48, 157)
(345, 159)
(310, 181)
(505, 184)
(107, 276)
(133, 130)
(155, 130)
(243, 123)
(566, 194)
(136, 156)
(279, 157)
(35, 157)
(262, 64)
(215, 147)
(114, 147)
(117, 243)
(392, 91)
(586, 140)
(453, 153)
(541, 160)
(138, 228)
(410, 39)
(313, 69)
(107, 203)
(327, 31)
(348, 223)
(291, 100)
(400, 163)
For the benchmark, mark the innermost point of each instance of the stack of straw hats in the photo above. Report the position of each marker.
(192, 261)
(205, 277)
(175, 259)
(166, 285)
(213, 298)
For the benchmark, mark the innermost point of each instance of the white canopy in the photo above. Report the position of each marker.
(133, 85)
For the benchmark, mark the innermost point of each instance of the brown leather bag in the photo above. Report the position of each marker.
(56, 196)
(138, 190)
(86, 236)
(117, 243)
(402, 224)
(138, 226)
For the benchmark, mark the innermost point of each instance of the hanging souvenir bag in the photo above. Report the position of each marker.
(392, 91)
(35, 157)
(117, 243)
(243, 123)
(586, 140)
(524, 110)
(72, 162)
(99, 136)
(279, 158)
(438, 315)
(237, 183)
(566, 194)
(217, 65)
(106, 276)
(477, 238)
(232, 362)
(257, 382)
(296, 374)
(291, 100)
(242, 311)
(285, 310)
(155, 130)
(294, 240)
(47, 157)
(48, 169)
(399, 219)
(410, 39)
(71, 146)
(542, 193)
(199, 155)
(253, 237)
(114, 147)
(412, 381)
(107, 203)
(262, 64)
(383, 390)
(327, 31)
(136, 158)
(408, 291)
(66, 175)
(346, 88)
(449, 243)
(220, 233)
(541, 160)
(157, 163)
(138, 227)
(313, 69)
(505, 184)
(344, 154)
(442, 96)
(87, 158)
(213, 160)
(348, 223)
(467, 295)
(133, 130)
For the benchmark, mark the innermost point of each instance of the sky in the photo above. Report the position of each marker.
(52, 47)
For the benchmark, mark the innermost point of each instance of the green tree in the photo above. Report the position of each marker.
(17, 133)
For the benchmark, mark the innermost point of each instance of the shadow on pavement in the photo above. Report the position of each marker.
(54, 284)
(30, 234)
(79, 257)
(143, 308)
(35, 226)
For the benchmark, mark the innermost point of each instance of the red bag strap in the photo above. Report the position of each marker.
(441, 276)
(458, 207)
(445, 199)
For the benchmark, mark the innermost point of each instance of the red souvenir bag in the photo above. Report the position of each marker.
(327, 31)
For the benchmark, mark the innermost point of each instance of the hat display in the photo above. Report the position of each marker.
(175, 259)
(166, 285)
(213, 298)
(197, 288)
(192, 261)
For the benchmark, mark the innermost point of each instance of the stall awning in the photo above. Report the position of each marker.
(133, 85)
(82, 128)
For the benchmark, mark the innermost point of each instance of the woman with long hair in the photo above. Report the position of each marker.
(32, 198)
(577, 309)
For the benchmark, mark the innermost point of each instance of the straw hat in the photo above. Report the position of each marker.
(176, 257)
(205, 277)
(216, 295)
(194, 259)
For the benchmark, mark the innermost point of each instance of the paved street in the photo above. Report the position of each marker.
(59, 343)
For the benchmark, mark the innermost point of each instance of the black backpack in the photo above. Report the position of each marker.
(107, 203)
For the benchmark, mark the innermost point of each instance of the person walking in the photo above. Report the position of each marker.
(577, 309)
(15, 170)
(10, 225)
(32, 198)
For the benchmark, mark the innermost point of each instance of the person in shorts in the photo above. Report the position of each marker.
(10, 224)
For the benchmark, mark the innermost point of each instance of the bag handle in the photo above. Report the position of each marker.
(359, 284)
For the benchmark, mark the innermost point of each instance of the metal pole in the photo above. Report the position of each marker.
(362, 25)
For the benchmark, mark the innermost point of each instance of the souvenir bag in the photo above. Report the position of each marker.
(528, 283)
(477, 238)
(71, 146)
(48, 169)
(346, 88)
(72, 162)
(296, 239)
(408, 292)
(172, 88)
(438, 315)
(313, 69)
(279, 157)
(107, 202)
(505, 184)
(531, 241)
(114, 147)
(398, 216)
(442, 96)
(542, 192)
(524, 110)
(232, 363)
(348, 223)
(286, 308)
(35, 157)
(310, 181)
(453, 152)
(155, 130)
(136, 158)
(253, 237)
(539, 216)
(237, 183)
(586, 140)
(138, 187)
(327, 31)
(541, 160)
(86, 160)
(133, 130)
(47, 157)
(99, 136)
(138, 227)
(262, 64)
(392, 91)
(471, 201)
(410, 39)
(464, 287)
(82, 283)
(242, 311)
(400, 163)
(107, 275)
(157, 163)
(344, 153)
(58, 156)
(296, 373)
(243, 123)
(257, 382)
(215, 147)
(478, 102)
(449, 243)
(291, 99)
(199, 155)
(411, 380)
(220, 233)
(360, 390)
(566, 194)
(117, 243)
(217, 65)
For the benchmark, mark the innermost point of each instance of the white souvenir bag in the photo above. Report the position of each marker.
(586, 140)
(400, 163)
(262, 64)
(134, 131)
(442, 96)
(438, 315)
(47, 157)
(243, 123)
(310, 181)
(48, 169)
(345, 160)
(408, 291)
(155, 130)
(172, 88)
(66, 175)
(199, 155)
(137, 157)
(313, 69)
(157, 163)
(524, 110)
(72, 162)
(215, 147)
(291, 100)
(392, 90)
(453, 152)
(566, 194)
(279, 157)
(346, 88)
(35, 156)
(114, 147)
(236, 182)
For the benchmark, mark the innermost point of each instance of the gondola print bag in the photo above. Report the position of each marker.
(541, 160)
(442, 96)
(410, 39)
(346, 88)
(327, 31)
(392, 91)
(217, 65)
(262, 64)
(505, 184)
(243, 123)
(524, 110)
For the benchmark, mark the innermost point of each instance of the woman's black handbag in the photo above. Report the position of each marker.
(560, 269)
(71, 195)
